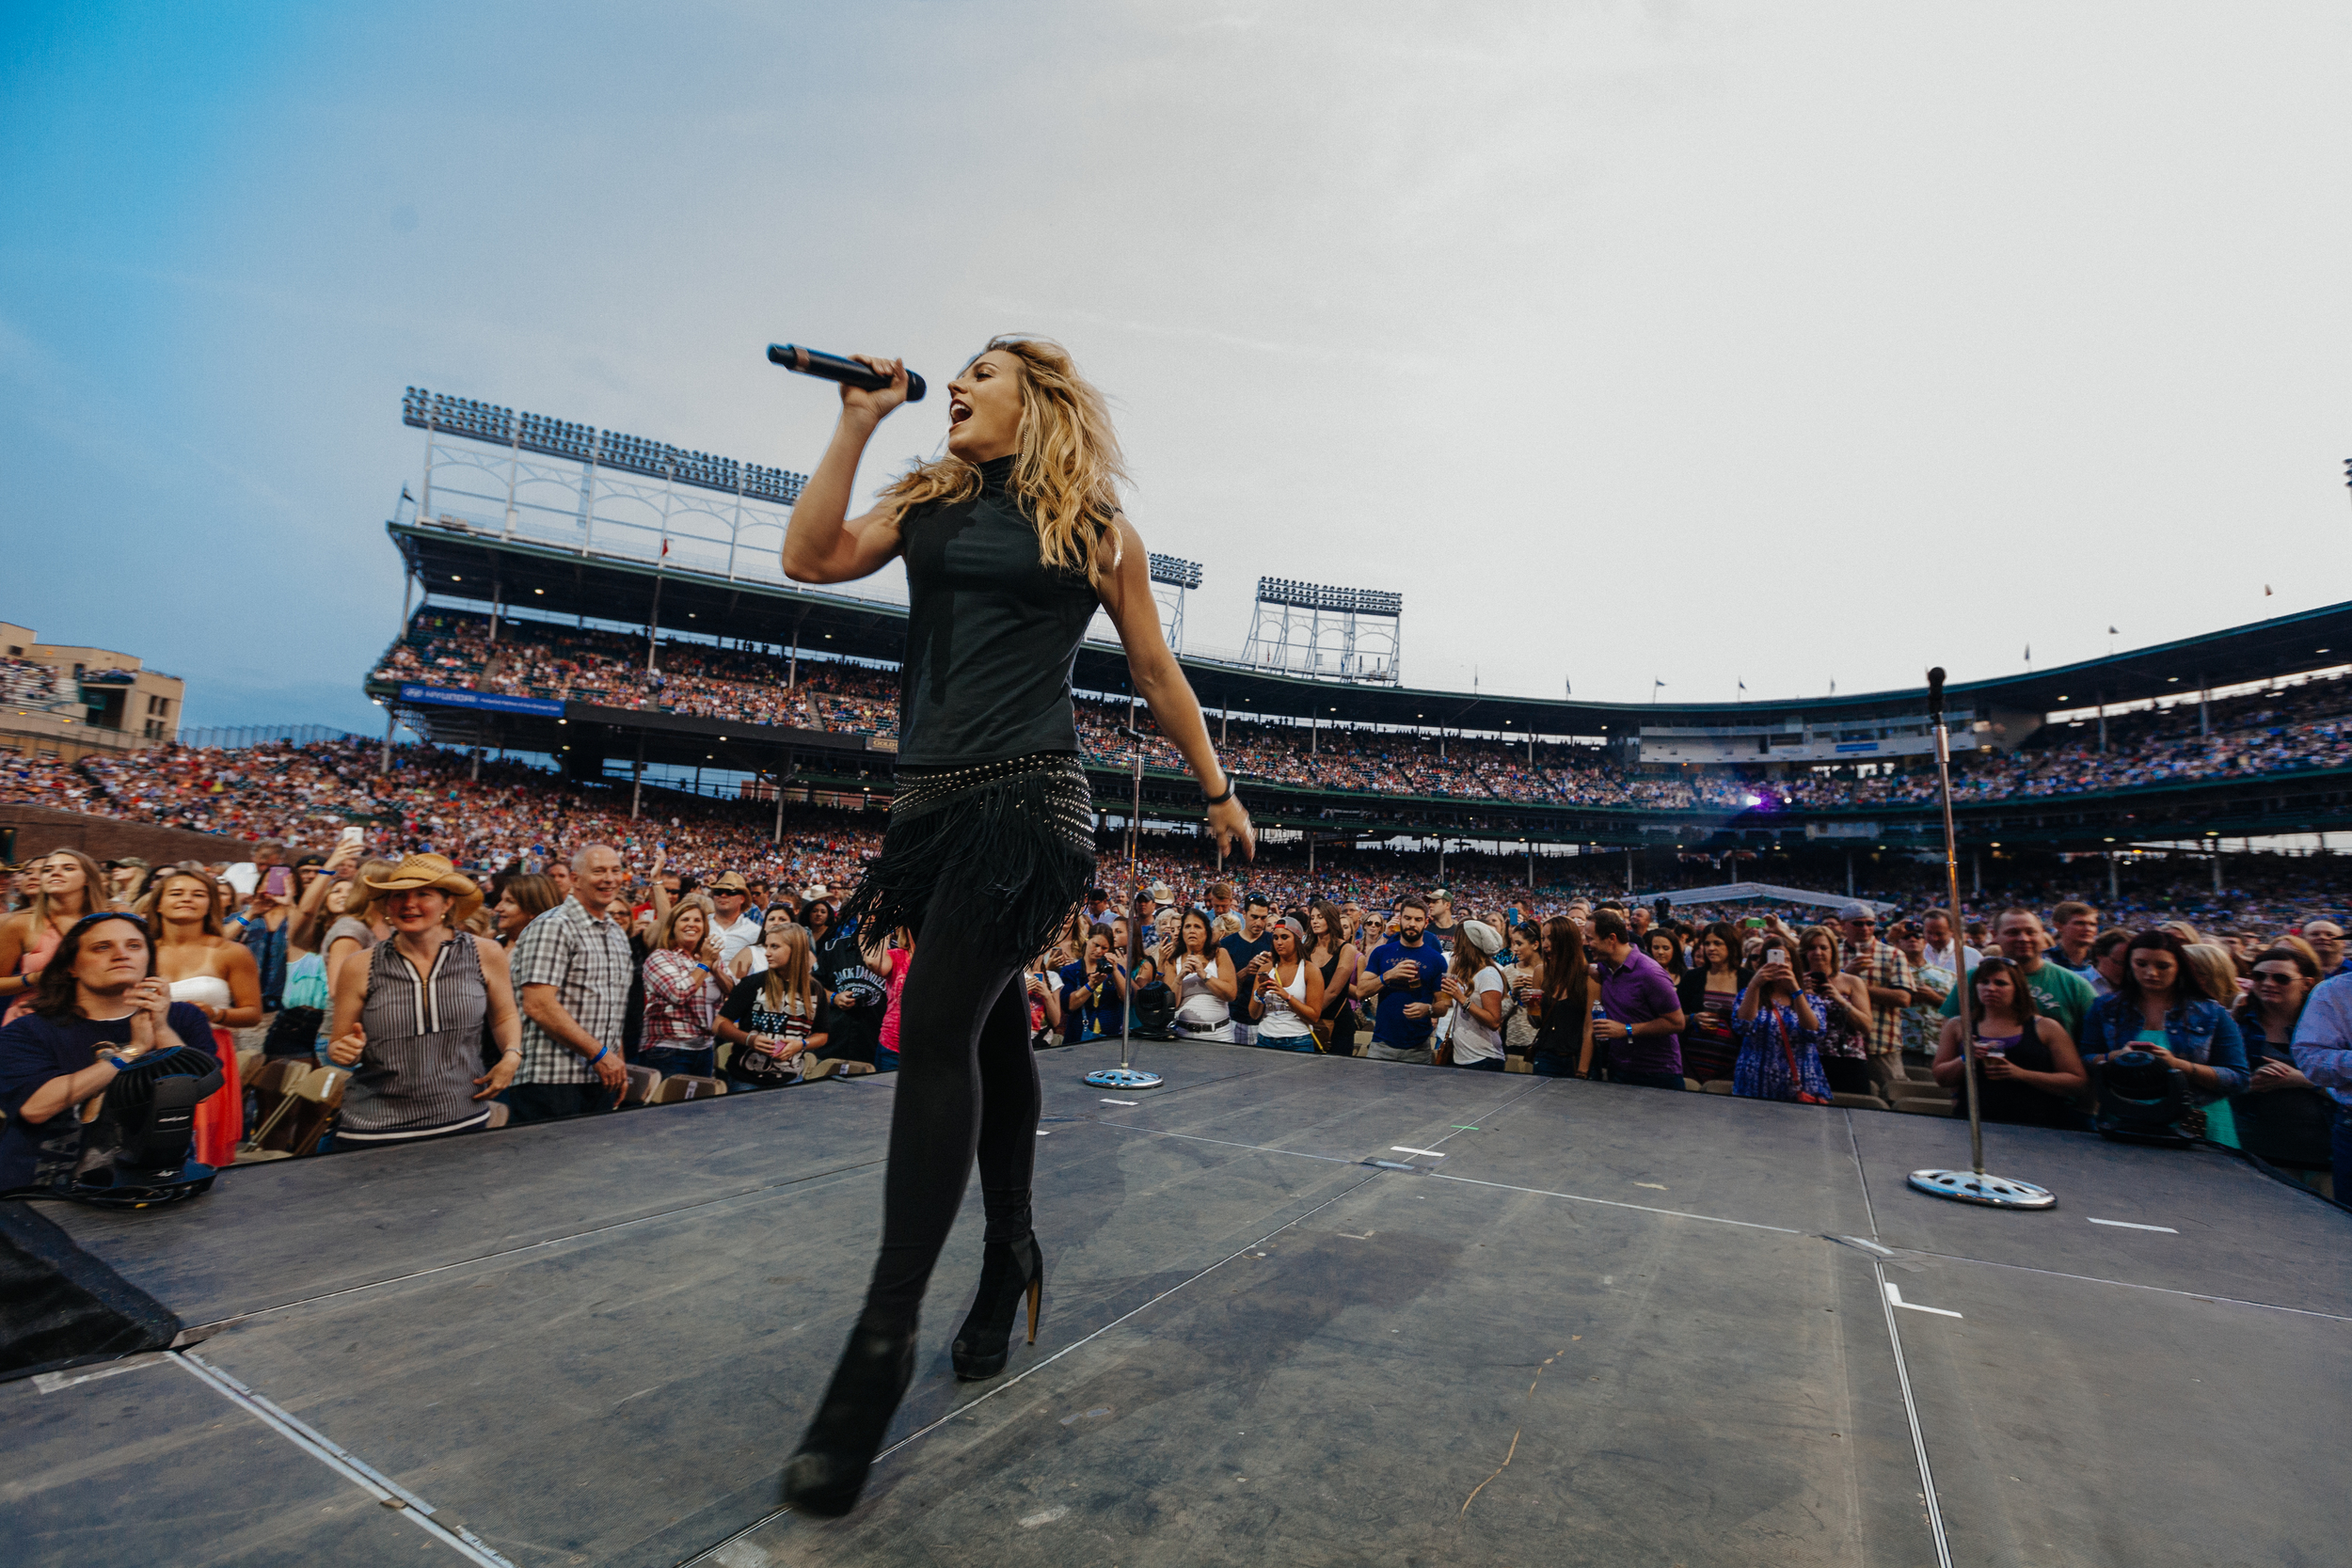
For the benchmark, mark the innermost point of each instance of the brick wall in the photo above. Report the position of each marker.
(38, 829)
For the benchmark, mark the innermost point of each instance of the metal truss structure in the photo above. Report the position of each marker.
(1171, 579)
(1337, 634)
(549, 481)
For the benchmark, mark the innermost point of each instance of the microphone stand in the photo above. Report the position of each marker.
(1125, 1076)
(1971, 1185)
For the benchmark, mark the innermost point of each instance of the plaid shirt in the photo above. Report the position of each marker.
(587, 959)
(682, 998)
(1886, 967)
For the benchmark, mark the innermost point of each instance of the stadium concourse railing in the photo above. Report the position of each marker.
(2287, 800)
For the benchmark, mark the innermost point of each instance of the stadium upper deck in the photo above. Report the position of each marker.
(521, 513)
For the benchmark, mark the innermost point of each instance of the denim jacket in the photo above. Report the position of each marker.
(2196, 1031)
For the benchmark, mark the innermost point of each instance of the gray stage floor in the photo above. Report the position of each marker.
(1594, 1324)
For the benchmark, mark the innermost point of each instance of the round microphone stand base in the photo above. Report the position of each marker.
(1123, 1077)
(1992, 1192)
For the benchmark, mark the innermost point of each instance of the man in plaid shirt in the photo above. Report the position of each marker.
(1894, 986)
(572, 969)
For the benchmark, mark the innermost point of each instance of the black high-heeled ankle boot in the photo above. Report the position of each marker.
(828, 1472)
(1009, 1272)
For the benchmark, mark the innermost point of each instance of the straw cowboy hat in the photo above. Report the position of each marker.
(424, 871)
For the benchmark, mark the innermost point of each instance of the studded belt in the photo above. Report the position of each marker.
(1069, 797)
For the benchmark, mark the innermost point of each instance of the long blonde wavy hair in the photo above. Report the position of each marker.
(1066, 473)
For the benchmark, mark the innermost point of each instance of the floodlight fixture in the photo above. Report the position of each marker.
(1174, 571)
(1346, 601)
(439, 413)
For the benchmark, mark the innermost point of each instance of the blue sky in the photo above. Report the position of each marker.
(1692, 342)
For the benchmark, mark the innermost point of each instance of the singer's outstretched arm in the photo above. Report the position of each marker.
(824, 544)
(1127, 594)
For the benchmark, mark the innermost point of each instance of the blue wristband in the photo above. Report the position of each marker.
(601, 1053)
(121, 1064)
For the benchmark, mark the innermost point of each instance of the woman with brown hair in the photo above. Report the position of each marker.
(1011, 541)
(1563, 1013)
(1338, 963)
(526, 897)
(2282, 1117)
(1709, 990)
(1842, 1003)
(1288, 997)
(67, 886)
(202, 967)
(359, 923)
(219, 979)
(1779, 1037)
(2028, 1071)
(1186, 966)
(97, 1007)
(1473, 987)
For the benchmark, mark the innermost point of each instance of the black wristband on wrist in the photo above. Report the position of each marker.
(1220, 800)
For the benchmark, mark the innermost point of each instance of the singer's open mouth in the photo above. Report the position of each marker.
(959, 412)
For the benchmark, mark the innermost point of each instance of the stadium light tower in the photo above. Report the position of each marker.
(1177, 577)
(1347, 634)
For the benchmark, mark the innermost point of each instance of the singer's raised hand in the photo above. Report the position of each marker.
(877, 404)
(822, 542)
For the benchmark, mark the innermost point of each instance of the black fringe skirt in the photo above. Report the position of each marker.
(1007, 846)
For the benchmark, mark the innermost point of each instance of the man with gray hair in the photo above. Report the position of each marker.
(572, 971)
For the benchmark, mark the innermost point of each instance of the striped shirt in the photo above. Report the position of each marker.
(586, 958)
(415, 1076)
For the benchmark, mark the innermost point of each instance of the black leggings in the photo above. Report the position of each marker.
(967, 1085)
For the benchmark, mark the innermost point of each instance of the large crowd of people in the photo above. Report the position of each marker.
(615, 670)
(587, 949)
(2305, 726)
(589, 974)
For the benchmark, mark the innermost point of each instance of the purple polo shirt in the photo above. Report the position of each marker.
(1633, 992)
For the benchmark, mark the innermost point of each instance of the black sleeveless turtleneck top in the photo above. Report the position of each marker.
(991, 633)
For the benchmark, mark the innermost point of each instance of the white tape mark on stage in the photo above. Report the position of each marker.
(2126, 1224)
(1433, 1154)
(343, 1462)
(1139, 1102)
(50, 1383)
(2125, 1284)
(1895, 1297)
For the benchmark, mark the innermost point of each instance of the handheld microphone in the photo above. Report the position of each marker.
(833, 367)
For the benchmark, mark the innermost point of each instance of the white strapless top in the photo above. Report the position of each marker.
(205, 990)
